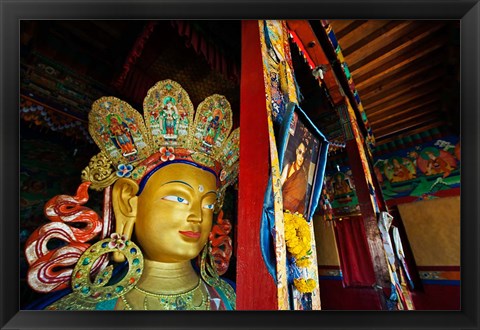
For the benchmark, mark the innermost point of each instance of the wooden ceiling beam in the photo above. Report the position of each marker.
(384, 87)
(402, 73)
(396, 32)
(400, 135)
(420, 126)
(429, 92)
(433, 81)
(432, 112)
(364, 38)
(414, 33)
(339, 24)
(349, 28)
(401, 110)
(399, 62)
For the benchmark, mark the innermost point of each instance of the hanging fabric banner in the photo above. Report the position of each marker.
(279, 230)
(404, 300)
(281, 89)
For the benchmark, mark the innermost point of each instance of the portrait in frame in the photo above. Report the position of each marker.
(11, 315)
(302, 163)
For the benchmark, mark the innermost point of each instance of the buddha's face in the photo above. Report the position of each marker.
(175, 211)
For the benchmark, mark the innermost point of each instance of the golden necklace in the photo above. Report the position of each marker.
(179, 301)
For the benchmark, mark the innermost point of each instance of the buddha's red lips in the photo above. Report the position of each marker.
(191, 234)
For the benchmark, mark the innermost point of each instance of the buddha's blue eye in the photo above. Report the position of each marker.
(176, 199)
(209, 206)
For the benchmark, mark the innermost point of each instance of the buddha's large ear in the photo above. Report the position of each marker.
(124, 200)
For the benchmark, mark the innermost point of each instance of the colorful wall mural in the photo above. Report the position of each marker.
(420, 172)
(339, 190)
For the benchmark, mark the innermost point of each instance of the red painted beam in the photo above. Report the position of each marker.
(256, 289)
(304, 34)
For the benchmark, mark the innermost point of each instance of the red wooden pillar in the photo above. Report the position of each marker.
(364, 181)
(256, 289)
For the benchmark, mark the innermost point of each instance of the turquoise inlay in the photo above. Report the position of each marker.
(106, 305)
(225, 300)
(347, 71)
(86, 261)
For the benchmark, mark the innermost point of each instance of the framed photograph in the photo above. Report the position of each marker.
(302, 169)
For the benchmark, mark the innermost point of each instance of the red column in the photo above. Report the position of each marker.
(256, 289)
(363, 178)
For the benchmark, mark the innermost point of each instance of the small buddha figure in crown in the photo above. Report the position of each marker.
(169, 116)
(163, 198)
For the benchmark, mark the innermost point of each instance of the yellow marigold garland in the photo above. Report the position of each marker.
(303, 262)
(297, 235)
(299, 242)
(305, 286)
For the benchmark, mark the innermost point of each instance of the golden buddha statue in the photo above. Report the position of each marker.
(165, 191)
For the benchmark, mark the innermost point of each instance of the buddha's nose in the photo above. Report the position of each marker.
(195, 214)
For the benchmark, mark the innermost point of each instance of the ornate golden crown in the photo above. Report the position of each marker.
(170, 131)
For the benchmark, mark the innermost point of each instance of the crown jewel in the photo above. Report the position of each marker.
(170, 130)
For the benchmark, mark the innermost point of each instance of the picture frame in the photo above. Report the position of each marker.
(302, 156)
(466, 11)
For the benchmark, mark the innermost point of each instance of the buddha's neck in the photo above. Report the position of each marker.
(167, 278)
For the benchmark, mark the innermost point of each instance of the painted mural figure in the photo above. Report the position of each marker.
(436, 165)
(433, 161)
(340, 186)
(294, 181)
(121, 136)
(400, 171)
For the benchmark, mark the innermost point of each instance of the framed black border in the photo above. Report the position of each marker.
(11, 11)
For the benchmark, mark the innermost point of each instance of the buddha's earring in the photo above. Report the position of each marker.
(98, 290)
(207, 268)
